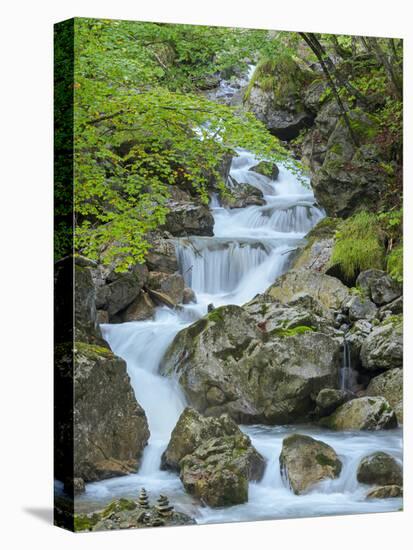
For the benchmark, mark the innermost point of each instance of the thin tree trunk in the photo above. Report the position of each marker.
(390, 72)
(308, 39)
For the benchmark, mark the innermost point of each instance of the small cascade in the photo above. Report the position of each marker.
(346, 372)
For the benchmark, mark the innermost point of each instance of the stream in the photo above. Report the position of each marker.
(250, 248)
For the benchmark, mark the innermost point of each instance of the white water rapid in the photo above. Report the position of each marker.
(250, 248)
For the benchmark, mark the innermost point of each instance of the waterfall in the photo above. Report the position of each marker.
(345, 372)
(250, 248)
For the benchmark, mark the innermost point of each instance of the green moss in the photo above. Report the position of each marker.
(287, 332)
(365, 126)
(85, 523)
(280, 75)
(324, 460)
(120, 505)
(358, 245)
(216, 315)
(394, 263)
(91, 349)
(325, 229)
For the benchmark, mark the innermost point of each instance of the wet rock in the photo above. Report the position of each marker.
(390, 386)
(191, 430)
(356, 337)
(268, 378)
(171, 285)
(110, 427)
(361, 308)
(305, 461)
(188, 296)
(379, 286)
(379, 469)
(386, 491)
(392, 308)
(383, 347)
(243, 195)
(364, 413)
(84, 305)
(316, 254)
(141, 309)
(102, 317)
(218, 471)
(265, 168)
(188, 218)
(328, 400)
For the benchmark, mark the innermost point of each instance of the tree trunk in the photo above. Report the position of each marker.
(389, 69)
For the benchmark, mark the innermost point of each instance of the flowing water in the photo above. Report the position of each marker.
(250, 248)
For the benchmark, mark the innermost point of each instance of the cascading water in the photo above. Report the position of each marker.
(250, 248)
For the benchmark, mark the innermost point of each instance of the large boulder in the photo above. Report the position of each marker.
(389, 385)
(364, 413)
(360, 307)
(329, 399)
(170, 285)
(188, 218)
(266, 168)
(110, 429)
(141, 309)
(378, 286)
(162, 255)
(316, 253)
(328, 291)
(305, 461)
(226, 363)
(191, 431)
(379, 469)
(383, 347)
(350, 177)
(218, 471)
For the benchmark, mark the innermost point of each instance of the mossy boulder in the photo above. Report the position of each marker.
(379, 286)
(350, 177)
(107, 426)
(219, 470)
(241, 196)
(227, 363)
(316, 253)
(380, 469)
(188, 217)
(191, 430)
(364, 413)
(266, 168)
(360, 307)
(305, 461)
(383, 347)
(390, 386)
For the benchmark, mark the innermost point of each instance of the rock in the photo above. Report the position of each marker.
(243, 195)
(314, 94)
(84, 305)
(390, 386)
(127, 514)
(110, 427)
(265, 168)
(188, 218)
(218, 471)
(379, 469)
(393, 308)
(305, 461)
(162, 255)
(364, 413)
(328, 291)
(189, 296)
(115, 291)
(386, 491)
(350, 178)
(316, 253)
(260, 377)
(141, 309)
(191, 430)
(361, 308)
(355, 338)
(171, 285)
(383, 347)
(74, 486)
(379, 286)
(328, 400)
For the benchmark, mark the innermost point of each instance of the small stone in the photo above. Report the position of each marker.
(143, 499)
(386, 491)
